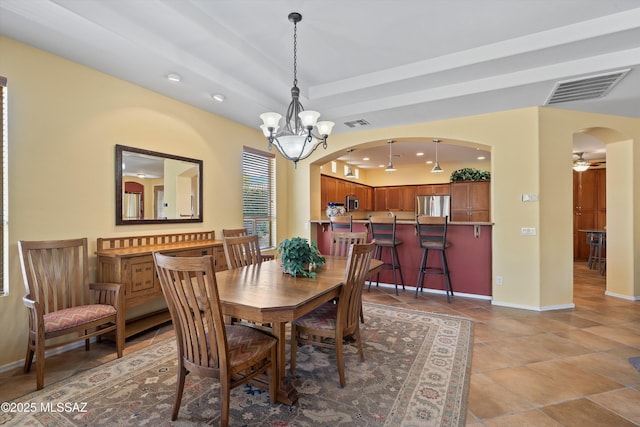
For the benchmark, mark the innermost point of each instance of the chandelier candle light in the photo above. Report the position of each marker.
(297, 140)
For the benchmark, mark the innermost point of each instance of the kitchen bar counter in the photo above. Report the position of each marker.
(469, 257)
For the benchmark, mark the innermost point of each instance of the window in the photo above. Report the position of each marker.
(259, 195)
(4, 278)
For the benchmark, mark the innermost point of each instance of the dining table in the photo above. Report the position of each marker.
(266, 295)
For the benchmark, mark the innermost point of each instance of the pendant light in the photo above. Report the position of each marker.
(390, 167)
(581, 164)
(297, 140)
(436, 166)
(349, 173)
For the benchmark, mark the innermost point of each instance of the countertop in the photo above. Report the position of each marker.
(400, 222)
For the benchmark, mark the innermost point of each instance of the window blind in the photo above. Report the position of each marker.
(259, 195)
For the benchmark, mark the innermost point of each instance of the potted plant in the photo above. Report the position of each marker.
(470, 174)
(299, 257)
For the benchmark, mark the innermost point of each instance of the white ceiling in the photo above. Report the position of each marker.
(389, 62)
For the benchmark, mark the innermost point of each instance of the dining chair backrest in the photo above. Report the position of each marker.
(341, 223)
(341, 241)
(432, 231)
(234, 232)
(350, 300)
(242, 250)
(383, 229)
(190, 289)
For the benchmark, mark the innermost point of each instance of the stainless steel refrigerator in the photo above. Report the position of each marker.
(433, 205)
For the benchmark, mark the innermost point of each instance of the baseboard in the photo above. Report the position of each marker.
(622, 296)
(533, 307)
(48, 353)
(436, 291)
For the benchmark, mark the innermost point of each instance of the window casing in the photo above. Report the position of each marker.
(4, 213)
(259, 195)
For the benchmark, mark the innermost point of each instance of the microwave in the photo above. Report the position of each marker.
(351, 203)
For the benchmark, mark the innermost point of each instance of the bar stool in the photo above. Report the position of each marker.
(341, 223)
(383, 233)
(432, 234)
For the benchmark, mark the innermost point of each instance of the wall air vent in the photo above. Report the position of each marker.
(356, 123)
(588, 87)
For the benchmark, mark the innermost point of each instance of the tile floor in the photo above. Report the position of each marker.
(557, 368)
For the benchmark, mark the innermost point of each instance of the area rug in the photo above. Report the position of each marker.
(416, 373)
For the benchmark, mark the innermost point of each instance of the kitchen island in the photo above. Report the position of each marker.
(469, 256)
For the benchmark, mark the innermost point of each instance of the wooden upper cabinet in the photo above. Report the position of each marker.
(394, 198)
(471, 201)
(380, 199)
(408, 203)
(589, 207)
(433, 190)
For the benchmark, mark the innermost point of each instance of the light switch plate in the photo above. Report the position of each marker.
(528, 231)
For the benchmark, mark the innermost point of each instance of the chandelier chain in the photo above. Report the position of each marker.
(295, 54)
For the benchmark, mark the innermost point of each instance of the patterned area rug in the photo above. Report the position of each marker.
(416, 373)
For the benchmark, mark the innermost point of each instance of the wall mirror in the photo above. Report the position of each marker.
(157, 188)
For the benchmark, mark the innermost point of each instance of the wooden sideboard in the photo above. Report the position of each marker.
(129, 261)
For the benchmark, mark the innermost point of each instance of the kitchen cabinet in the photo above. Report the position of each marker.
(408, 198)
(380, 199)
(589, 207)
(433, 190)
(129, 261)
(471, 201)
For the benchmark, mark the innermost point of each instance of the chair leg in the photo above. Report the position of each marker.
(359, 344)
(399, 267)
(182, 373)
(447, 277)
(340, 360)
(28, 360)
(361, 313)
(423, 266)
(393, 267)
(225, 397)
(40, 364)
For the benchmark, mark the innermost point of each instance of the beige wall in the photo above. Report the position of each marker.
(64, 123)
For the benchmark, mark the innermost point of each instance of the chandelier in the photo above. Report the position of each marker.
(436, 166)
(580, 165)
(297, 140)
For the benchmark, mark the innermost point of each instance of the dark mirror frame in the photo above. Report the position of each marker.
(119, 182)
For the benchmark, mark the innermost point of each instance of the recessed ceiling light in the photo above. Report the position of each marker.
(429, 162)
(173, 77)
(365, 159)
(218, 97)
(381, 166)
(481, 157)
(420, 154)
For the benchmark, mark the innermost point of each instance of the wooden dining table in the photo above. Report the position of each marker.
(264, 294)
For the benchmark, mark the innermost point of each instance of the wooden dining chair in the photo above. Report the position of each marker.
(62, 302)
(328, 325)
(342, 240)
(208, 347)
(237, 232)
(234, 232)
(241, 251)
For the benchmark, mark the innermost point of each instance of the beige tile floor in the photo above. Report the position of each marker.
(557, 368)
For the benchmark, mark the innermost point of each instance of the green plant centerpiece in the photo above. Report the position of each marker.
(299, 257)
(470, 174)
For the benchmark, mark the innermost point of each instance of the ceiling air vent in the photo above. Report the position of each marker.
(589, 87)
(355, 123)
